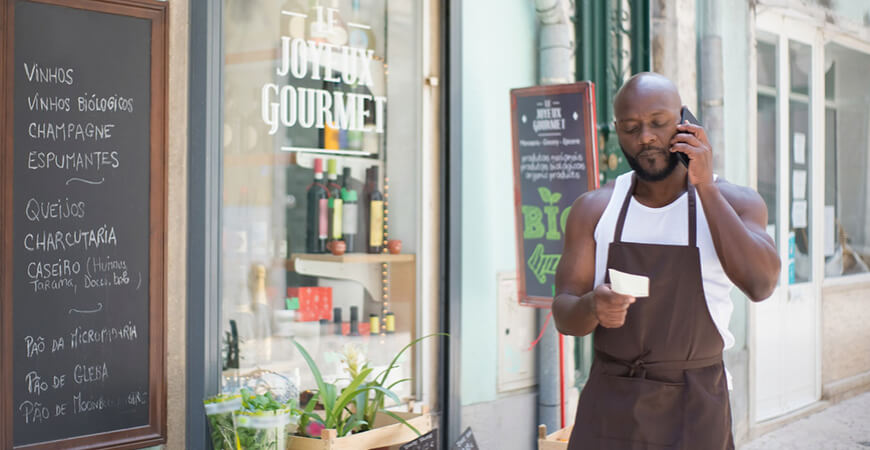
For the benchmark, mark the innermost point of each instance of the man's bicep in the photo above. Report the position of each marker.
(576, 271)
(753, 213)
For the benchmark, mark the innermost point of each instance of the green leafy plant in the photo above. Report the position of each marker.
(219, 412)
(261, 402)
(355, 407)
(261, 422)
(336, 413)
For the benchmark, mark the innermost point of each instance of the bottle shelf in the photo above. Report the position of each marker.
(362, 258)
(364, 268)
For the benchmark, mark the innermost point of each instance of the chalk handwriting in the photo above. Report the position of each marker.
(56, 75)
(48, 241)
(74, 161)
(69, 131)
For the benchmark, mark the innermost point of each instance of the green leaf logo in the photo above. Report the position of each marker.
(545, 194)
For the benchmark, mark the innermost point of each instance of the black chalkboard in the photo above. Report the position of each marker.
(466, 441)
(428, 441)
(82, 224)
(555, 161)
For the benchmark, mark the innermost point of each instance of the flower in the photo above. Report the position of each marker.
(314, 428)
(353, 360)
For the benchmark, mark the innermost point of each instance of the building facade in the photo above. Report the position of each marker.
(408, 104)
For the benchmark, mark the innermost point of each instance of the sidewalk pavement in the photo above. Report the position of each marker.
(843, 426)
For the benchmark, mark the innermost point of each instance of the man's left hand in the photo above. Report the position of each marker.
(692, 140)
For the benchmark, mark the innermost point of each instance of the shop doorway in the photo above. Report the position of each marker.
(789, 158)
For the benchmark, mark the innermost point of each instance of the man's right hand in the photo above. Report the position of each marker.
(610, 307)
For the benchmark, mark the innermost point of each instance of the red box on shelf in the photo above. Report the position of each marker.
(315, 302)
(364, 329)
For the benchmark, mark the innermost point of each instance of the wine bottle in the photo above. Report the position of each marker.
(349, 217)
(364, 209)
(345, 178)
(376, 215)
(317, 226)
(262, 314)
(335, 201)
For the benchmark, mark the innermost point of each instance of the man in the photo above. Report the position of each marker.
(658, 380)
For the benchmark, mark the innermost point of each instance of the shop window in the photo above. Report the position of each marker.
(767, 134)
(800, 162)
(307, 92)
(847, 136)
(784, 160)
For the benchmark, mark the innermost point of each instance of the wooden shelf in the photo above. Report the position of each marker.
(364, 268)
(366, 258)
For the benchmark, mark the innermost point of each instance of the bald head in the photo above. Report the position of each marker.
(647, 111)
(646, 88)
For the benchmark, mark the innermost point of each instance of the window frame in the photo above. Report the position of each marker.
(830, 35)
(787, 27)
(440, 361)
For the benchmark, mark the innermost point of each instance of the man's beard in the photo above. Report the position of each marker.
(646, 175)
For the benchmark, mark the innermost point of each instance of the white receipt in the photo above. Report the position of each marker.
(628, 284)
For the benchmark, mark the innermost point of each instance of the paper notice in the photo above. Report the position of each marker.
(799, 184)
(799, 214)
(628, 284)
(800, 148)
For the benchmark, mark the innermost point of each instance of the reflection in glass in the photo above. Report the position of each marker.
(767, 135)
(800, 164)
(305, 82)
(847, 136)
(766, 64)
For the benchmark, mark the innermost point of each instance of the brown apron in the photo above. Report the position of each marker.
(657, 382)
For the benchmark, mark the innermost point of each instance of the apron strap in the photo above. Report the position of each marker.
(620, 223)
(638, 367)
(693, 217)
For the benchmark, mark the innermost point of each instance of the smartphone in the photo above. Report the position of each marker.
(685, 115)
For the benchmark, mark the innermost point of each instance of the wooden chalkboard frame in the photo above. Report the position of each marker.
(585, 89)
(155, 432)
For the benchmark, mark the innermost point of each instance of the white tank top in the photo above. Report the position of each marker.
(668, 225)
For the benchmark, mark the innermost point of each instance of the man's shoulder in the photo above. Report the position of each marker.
(597, 198)
(739, 197)
(591, 205)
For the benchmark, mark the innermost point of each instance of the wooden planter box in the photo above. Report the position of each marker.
(554, 441)
(387, 432)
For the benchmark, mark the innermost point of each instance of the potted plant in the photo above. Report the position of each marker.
(262, 422)
(219, 412)
(355, 417)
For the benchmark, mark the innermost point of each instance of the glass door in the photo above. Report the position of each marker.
(786, 325)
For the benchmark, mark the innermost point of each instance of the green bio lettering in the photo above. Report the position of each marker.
(540, 263)
(533, 217)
